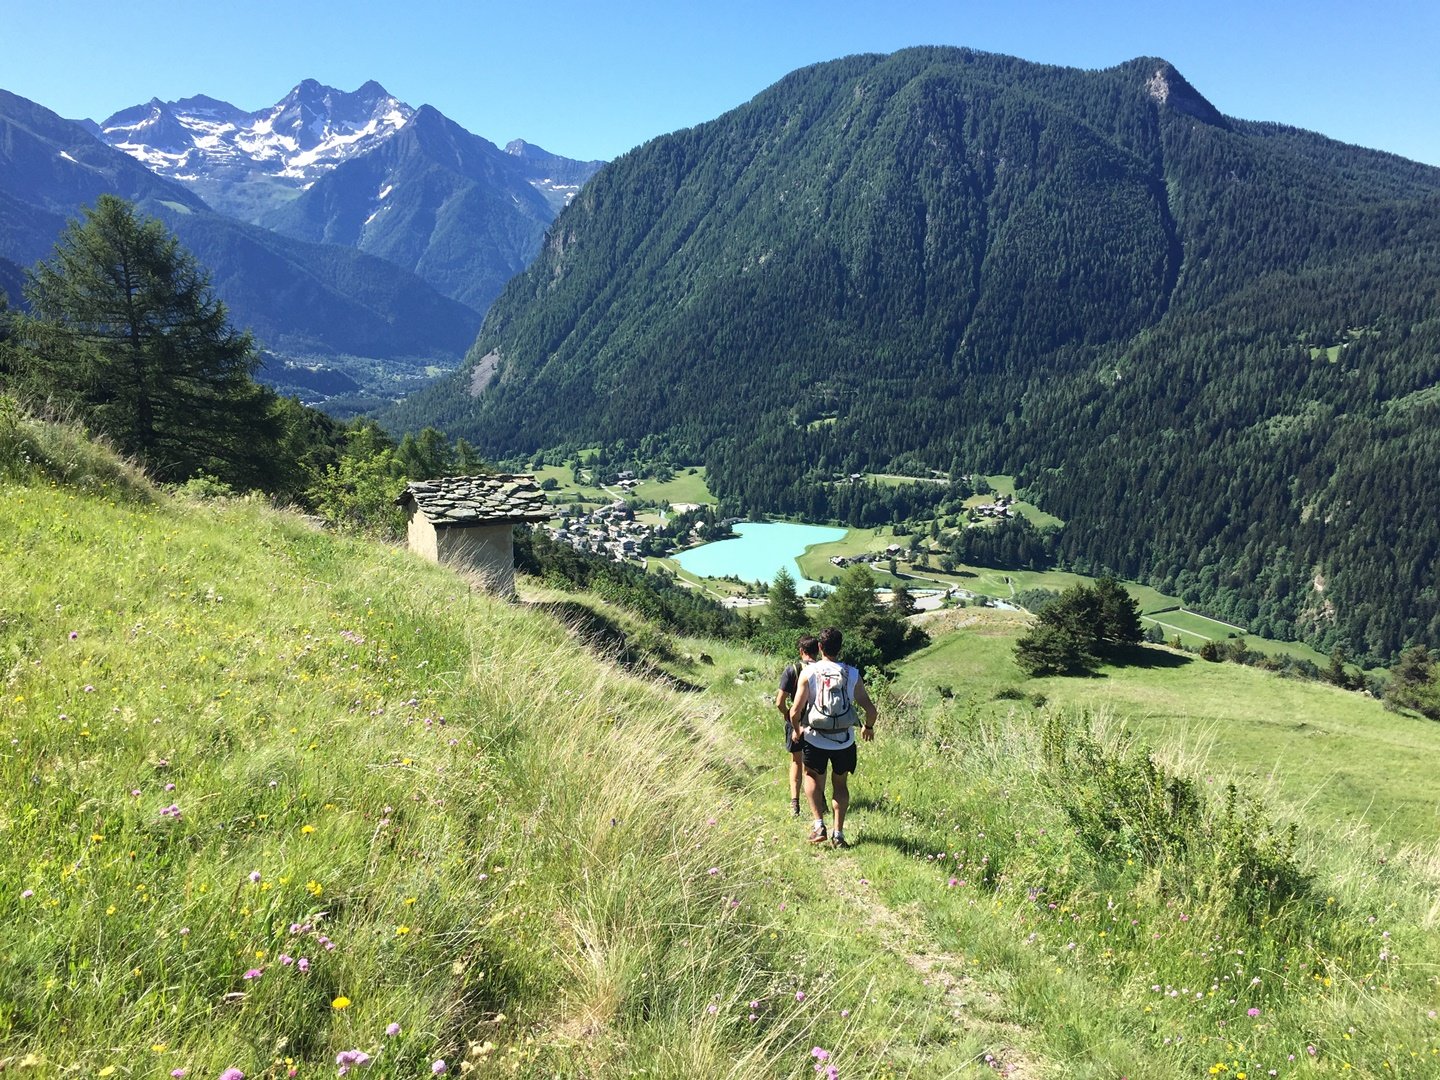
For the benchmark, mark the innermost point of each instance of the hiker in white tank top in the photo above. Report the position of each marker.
(828, 703)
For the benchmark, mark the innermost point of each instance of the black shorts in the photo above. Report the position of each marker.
(793, 743)
(840, 761)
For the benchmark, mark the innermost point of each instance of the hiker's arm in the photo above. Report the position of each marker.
(867, 706)
(780, 696)
(800, 704)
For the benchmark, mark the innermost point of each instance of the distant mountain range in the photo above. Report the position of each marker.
(1209, 345)
(349, 230)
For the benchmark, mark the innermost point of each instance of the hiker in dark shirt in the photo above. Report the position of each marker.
(825, 711)
(809, 649)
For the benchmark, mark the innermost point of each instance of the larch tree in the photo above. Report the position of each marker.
(125, 329)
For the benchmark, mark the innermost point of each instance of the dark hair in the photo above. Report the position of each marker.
(831, 642)
(809, 645)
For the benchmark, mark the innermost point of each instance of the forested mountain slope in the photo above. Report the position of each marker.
(1210, 345)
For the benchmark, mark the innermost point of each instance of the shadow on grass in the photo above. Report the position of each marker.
(607, 638)
(1146, 656)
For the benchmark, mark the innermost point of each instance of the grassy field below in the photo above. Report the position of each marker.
(1336, 755)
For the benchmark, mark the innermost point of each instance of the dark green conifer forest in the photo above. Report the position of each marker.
(1211, 346)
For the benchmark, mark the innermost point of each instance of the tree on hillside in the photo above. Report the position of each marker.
(358, 492)
(1413, 683)
(852, 600)
(1072, 631)
(786, 610)
(1119, 614)
(125, 329)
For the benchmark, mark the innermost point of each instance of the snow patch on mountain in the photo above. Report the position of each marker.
(211, 145)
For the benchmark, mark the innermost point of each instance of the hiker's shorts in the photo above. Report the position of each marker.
(840, 761)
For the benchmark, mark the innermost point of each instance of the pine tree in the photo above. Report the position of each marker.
(786, 609)
(125, 329)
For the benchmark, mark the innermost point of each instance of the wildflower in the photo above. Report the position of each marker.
(820, 1054)
(1252, 1012)
(26, 894)
(799, 995)
(341, 1002)
(178, 1074)
(712, 1009)
(232, 1073)
(438, 1067)
(253, 973)
(306, 830)
(348, 1059)
(74, 634)
(713, 871)
(303, 964)
(392, 1029)
(254, 877)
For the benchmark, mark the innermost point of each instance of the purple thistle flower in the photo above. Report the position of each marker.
(439, 1067)
(392, 1030)
(253, 973)
(303, 963)
(254, 877)
(232, 1073)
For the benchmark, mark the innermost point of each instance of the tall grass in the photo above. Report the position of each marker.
(60, 451)
(238, 749)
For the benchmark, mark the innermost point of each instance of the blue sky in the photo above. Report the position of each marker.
(594, 80)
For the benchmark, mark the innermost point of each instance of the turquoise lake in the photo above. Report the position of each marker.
(761, 550)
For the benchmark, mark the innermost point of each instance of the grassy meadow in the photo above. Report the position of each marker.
(292, 804)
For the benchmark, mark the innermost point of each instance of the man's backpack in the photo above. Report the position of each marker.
(833, 707)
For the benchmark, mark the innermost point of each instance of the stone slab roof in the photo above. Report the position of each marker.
(467, 501)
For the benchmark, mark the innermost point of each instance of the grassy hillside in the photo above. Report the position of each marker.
(234, 743)
(275, 792)
(1335, 755)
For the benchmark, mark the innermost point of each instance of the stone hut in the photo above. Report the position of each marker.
(466, 522)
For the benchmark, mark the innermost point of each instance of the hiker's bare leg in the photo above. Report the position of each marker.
(815, 792)
(840, 785)
(795, 771)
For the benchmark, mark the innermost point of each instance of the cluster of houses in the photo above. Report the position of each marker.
(1002, 507)
(609, 530)
(894, 551)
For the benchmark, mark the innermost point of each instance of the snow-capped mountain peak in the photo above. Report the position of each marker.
(256, 158)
